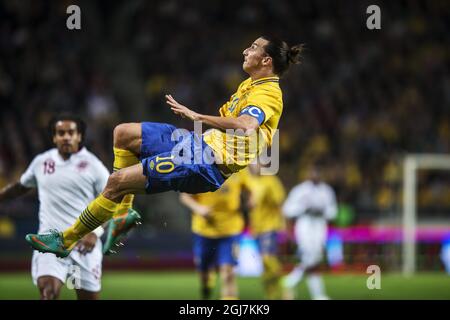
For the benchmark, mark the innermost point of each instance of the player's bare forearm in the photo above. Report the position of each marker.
(12, 191)
(188, 201)
(244, 122)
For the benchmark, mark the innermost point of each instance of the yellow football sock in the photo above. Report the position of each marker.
(97, 212)
(127, 203)
(122, 159)
(271, 277)
(207, 289)
(212, 278)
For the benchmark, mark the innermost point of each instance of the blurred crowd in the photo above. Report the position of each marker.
(360, 101)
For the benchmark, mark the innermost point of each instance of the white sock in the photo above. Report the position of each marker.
(316, 287)
(293, 278)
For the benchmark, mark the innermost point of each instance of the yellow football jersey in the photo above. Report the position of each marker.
(225, 218)
(268, 195)
(234, 149)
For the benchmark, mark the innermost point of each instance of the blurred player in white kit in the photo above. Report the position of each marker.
(67, 178)
(312, 203)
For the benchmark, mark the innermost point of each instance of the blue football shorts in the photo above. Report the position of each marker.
(215, 252)
(177, 160)
(267, 243)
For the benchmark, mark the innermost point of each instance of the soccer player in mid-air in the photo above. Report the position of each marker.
(144, 152)
(67, 178)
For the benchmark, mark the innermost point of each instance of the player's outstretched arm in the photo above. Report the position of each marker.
(12, 191)
(189, 201)
(244, 122)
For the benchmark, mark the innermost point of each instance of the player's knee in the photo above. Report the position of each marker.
(114, 185)
(48, 291)
(123, 134)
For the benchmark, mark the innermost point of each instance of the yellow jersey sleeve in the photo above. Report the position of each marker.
(267, 99)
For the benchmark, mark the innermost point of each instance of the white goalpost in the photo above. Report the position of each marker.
(412, 163)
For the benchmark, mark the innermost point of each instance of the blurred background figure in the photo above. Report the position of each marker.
(312, 203)
(67, 178)
(266, 196)
(217, 223)
(445, 253)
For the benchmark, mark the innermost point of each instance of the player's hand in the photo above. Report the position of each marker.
(203, 211)
(87, 243)
(180, 109)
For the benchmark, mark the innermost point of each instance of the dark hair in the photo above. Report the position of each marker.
(282, 55)
(81, 125)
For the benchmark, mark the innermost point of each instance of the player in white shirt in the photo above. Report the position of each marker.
(312, 203)
(67, 178)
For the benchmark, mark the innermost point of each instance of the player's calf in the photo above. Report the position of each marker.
(114, 190)
(229, 286)
(129, 180)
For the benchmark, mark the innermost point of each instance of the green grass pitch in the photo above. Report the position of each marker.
(184, 285)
